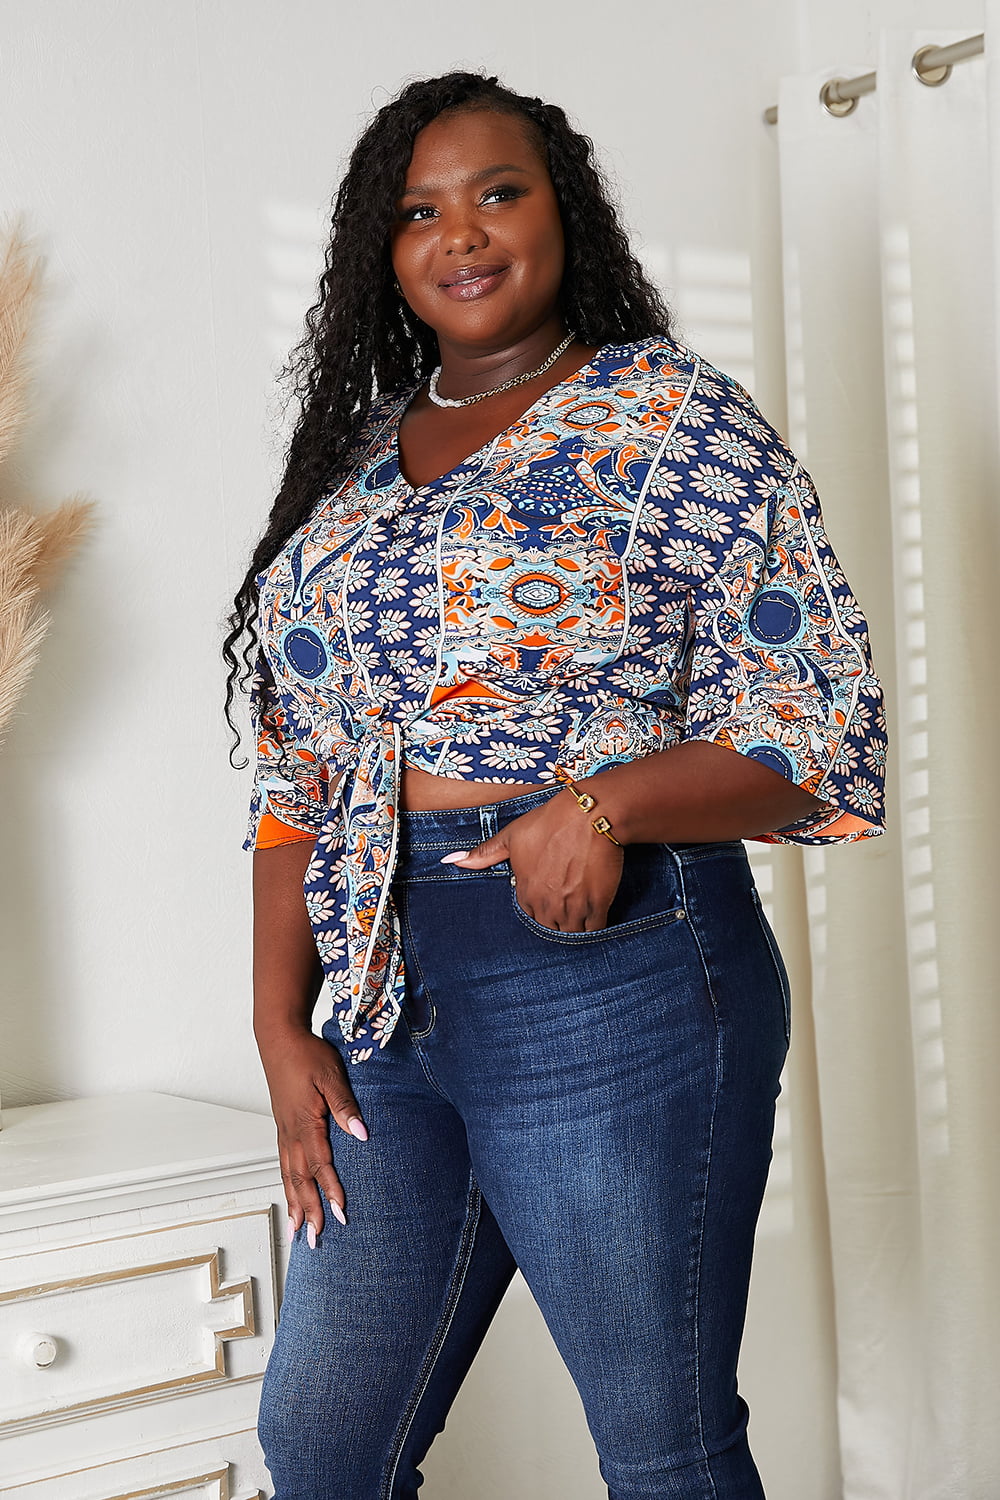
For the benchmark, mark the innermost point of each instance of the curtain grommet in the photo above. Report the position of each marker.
(932, 77)
(829, 97)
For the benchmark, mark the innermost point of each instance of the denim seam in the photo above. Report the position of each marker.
(697, 1267)
(781, 973)
(603, 934)
(434, 877)
(692, 854)
(417, 1036)
(415, 846)
(463, 1259)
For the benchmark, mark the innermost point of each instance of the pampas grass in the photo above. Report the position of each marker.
(62, 531)
(33, 548)
(19, 278)
(22, 624)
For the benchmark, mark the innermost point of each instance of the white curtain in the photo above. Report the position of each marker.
(890, 262)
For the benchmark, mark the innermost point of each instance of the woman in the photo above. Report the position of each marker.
(548, 625)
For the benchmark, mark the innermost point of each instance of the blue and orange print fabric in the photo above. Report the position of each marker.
(639, 560)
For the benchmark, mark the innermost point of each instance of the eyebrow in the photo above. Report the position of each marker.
(418, 190)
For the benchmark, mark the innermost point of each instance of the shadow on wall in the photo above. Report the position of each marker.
(710, 293)
(294, 240)
(925, 983)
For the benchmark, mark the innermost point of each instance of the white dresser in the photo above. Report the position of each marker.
(139, 1268)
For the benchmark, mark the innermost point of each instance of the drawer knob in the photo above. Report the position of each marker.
(38, 1349)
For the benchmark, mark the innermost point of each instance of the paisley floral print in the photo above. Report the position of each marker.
(637, 561)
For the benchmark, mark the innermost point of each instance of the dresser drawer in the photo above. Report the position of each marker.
(135, 1317)
(228, 1467)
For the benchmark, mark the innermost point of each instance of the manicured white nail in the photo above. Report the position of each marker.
(449, 859)
(311, 1236)
(357, 1127)
(291, 1229)
(338, 1213)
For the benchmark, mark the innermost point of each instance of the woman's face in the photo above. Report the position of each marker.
(477, 245)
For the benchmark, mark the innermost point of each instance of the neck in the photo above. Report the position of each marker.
(468, 369)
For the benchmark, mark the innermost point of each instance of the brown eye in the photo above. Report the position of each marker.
(503, 193)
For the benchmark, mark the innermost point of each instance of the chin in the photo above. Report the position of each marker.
(475, 330)
(494, 319)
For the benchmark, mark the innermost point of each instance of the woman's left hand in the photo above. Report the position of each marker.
(565, 873)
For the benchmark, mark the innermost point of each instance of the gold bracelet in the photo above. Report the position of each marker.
(587, 803)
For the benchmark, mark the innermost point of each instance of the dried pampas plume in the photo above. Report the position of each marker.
(33, 548)
(19, 277)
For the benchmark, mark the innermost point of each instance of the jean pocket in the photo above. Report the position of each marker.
(779, 963)
(649, 895)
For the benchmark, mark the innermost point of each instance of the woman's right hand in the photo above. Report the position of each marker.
(308, 1084)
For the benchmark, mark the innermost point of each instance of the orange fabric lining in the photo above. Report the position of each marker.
(468, 689)
(845, 824)
(271, 833)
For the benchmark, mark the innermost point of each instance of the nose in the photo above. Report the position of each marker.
(462, 233)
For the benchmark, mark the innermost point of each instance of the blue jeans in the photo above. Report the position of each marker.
(595, 1108)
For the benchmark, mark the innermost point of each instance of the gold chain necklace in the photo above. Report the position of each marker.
(508, 385)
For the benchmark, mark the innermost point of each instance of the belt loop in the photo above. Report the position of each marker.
(488, 822)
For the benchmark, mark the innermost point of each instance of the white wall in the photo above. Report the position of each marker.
(844, 37)
(176, 162)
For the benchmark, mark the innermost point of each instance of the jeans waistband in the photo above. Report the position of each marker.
(425, 836)
(462, 827)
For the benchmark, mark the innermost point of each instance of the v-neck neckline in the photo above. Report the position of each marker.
(480, 455)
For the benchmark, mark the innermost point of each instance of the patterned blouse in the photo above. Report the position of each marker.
(637, 561)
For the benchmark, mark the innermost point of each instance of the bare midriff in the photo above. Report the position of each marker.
(422, 792)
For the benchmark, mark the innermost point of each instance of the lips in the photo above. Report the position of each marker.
(470, 273)
(470, 282)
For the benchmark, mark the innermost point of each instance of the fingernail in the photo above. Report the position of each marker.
(291, 1229)
(338, 1213)
(449, 859)
(357, 1127)
(311, 1236)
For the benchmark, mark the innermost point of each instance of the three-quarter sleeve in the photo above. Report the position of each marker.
(290, 794)
(780, 662)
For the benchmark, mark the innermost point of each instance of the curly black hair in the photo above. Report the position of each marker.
(362, 340)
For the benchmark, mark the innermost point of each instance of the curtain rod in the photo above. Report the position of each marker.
(932, 65)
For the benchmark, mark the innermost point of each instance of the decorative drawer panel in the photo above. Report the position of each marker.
(229, 1467)
(135, 1317)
